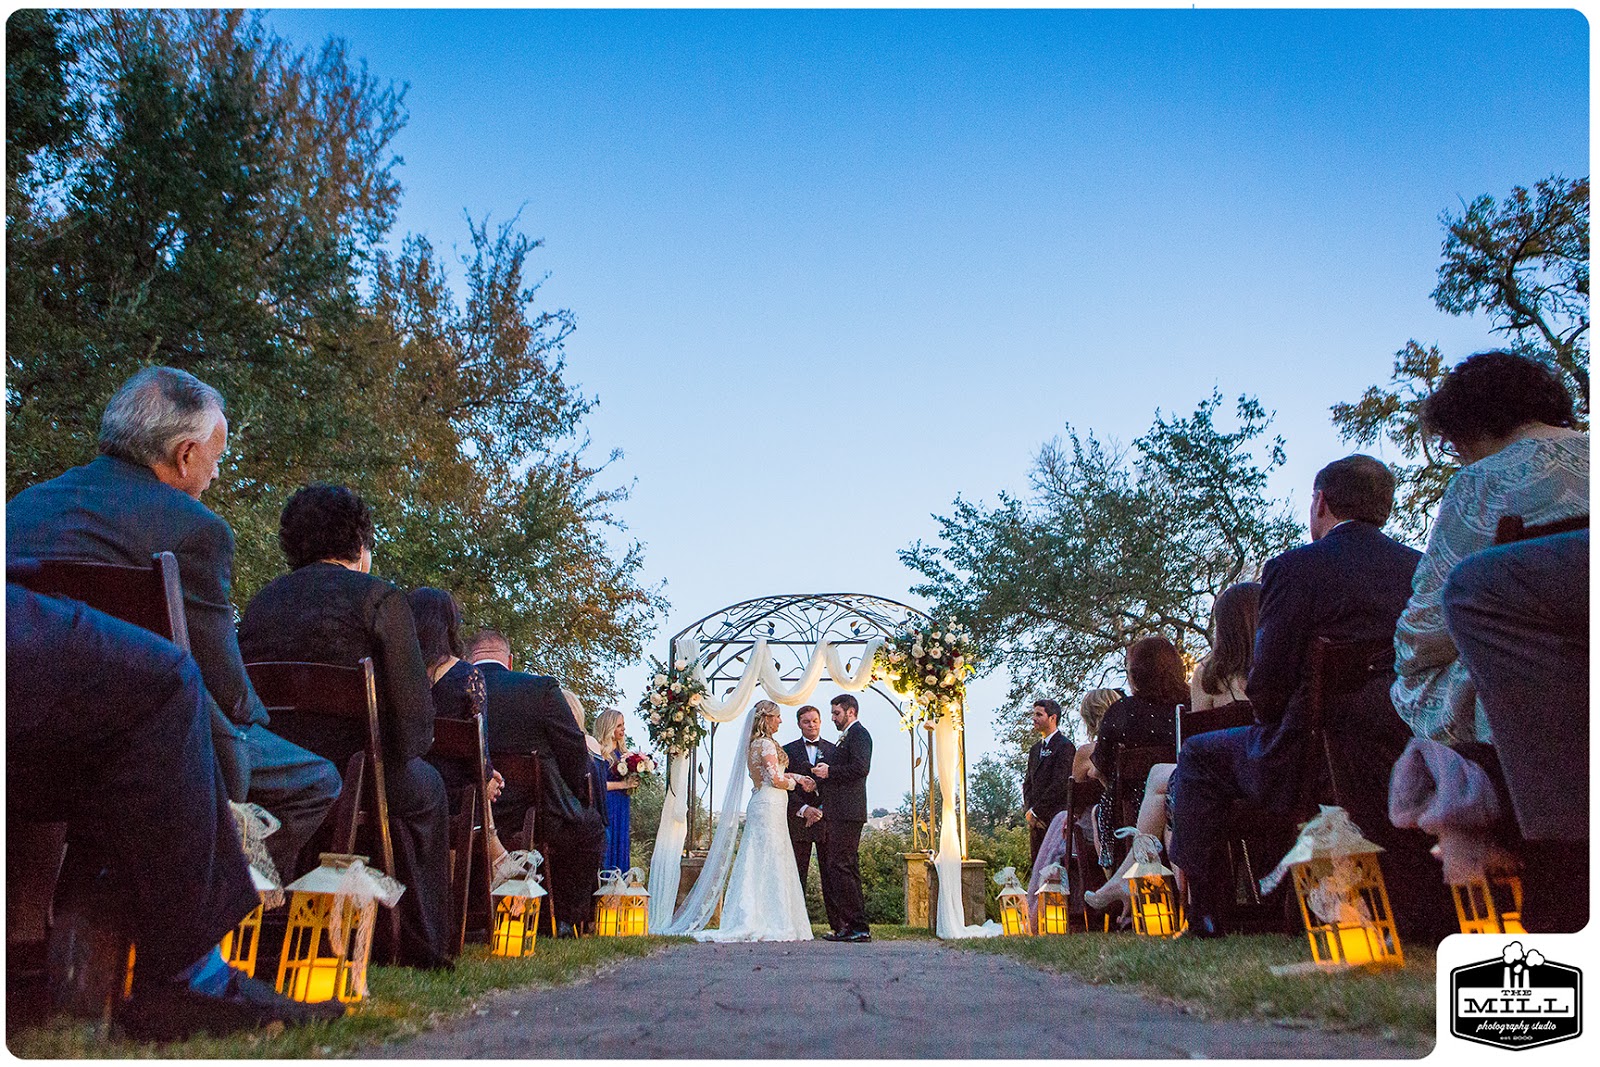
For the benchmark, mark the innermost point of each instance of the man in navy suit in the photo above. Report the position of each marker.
(845, 812)
(1351, 583)
(1047, 786)
(805, 805)
(161, 439)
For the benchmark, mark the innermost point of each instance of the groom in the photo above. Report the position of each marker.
(844, 813)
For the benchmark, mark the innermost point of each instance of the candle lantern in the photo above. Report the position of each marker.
(1013, 901)
(516, 908)
(622, 907)
(1051, 902)
(1343, 901)
(1490, 903)
(240, 945)
(1155, 912)
(329, 939)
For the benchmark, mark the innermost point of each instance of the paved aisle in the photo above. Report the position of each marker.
(886, 999)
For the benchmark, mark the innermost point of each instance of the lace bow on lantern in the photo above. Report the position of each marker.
(1146, 852)
(255, 824)
(354, 887)
(523, 883)
(1334, 837)
(1010, 885)
(616, 883)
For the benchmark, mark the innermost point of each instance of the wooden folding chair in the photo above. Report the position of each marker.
(86, 959)
(464, 741)
(521, 770)
(350, 694)
(1511, 528)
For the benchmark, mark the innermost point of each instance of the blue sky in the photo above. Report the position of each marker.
(831, 269)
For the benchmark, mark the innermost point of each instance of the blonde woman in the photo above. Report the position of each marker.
(611, 733)
(764, 899)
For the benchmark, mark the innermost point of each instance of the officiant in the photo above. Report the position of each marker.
(805, 807)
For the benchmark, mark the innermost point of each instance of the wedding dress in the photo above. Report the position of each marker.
(764, 901)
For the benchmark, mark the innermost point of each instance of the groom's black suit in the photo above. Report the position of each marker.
(801, 835)
(844, 811)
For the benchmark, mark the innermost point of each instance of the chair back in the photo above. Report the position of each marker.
(1511, 528)
(462, 741)
(349, 694)
(1210, 720)
(1338, 668)
(150, 597)
(1133, 767)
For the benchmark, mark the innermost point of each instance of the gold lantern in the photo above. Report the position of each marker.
(1051, 902)
(1013, 901)
(1154, 906)
(623, 905)
(1490, 903)
(516, 908)
(1343, 901)
(329, 939)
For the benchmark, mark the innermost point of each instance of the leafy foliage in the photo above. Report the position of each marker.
(994, 797)
(1109, 546)
(1525, 262)
(186, 188)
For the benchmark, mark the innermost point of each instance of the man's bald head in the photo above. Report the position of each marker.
(490, 645)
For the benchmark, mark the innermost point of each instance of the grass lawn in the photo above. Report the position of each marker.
(401, 1002)
(1228, 978)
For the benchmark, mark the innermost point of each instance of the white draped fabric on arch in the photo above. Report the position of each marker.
(761, 670)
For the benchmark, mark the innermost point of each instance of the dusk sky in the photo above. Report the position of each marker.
(832, 269)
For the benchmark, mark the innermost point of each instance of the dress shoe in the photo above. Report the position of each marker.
(168, 1011)
(835, 935)
(856, 936)
(1203, 928)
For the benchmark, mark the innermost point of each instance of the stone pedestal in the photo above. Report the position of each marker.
(690, 874)
(922, 891)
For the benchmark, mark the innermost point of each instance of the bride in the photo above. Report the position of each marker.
(764, 901)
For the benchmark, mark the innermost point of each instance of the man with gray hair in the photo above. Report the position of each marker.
(161, 439)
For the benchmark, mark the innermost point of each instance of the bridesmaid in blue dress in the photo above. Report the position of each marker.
(611, 731)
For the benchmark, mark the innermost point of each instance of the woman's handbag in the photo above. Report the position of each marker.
(561, 805)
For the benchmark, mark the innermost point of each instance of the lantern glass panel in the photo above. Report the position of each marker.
(1053, 918)
(515, 935)
(1153, 912)
(634, 920)
(1371, 938)
(239, 945)
(310, 969)
(1490, 905)
(1013, 920)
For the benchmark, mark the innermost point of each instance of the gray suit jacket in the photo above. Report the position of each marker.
(113, 511)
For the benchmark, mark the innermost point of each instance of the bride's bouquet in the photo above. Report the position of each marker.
(671, 706)
(930, 664)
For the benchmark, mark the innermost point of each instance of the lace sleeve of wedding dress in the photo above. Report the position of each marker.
(763, 764)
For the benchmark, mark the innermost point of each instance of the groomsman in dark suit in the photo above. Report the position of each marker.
(845, 813)
(1047, 787)
(805, 806)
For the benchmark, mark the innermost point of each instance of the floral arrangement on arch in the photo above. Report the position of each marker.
(930, 664)
(671, 706)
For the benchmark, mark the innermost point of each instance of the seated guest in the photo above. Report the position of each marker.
(1350, 583)
(529, 713)
(161, 439)
(611, 734)
(1519, 614)
(109, 728)
(1218, 682)
(1148, 717)
(1047, 783)
(1091, 710)
(329, 609)
(1510, 422)
(458, 693)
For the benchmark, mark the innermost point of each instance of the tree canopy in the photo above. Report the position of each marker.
(1110, 544)
(187, 188)
(1523, 261)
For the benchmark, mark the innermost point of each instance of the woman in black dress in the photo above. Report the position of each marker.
(459, 692)
(329, 609)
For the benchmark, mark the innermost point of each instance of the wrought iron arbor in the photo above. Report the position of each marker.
(793, 624)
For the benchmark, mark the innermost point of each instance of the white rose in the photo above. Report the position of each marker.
(680, 665)
(931, 678)
(936, 636)
(916, 651)
(655, 717)
(948, 680)
(694, 700)
(897, 657)
(661, 679)
(936, 651)
(657, 699)
(961, 661)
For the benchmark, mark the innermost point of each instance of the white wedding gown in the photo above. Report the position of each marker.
(764, 900)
